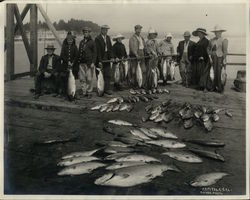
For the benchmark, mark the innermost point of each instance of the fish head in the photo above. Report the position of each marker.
(104, 178)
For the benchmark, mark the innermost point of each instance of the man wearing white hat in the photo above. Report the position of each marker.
(166, 49)
(152, 49)
(185, 51)
(217, 50)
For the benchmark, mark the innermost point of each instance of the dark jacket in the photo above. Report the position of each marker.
(87, 51)
(201, 49)
(180, 50)
(119, 50)
(100, 47)
(69, 52)
(56, 64)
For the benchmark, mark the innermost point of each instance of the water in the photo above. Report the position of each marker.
(236, 45)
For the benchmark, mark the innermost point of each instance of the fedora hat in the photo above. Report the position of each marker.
(217, 28)
(118, 36)
(201, 30)
(186, 34)
(86, 29)
(105, 27)
(138, 26)
(50, 46)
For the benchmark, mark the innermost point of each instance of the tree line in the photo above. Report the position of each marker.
(71, 25)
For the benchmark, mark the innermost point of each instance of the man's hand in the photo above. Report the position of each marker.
(201, 58)
(92, 66)
(47, 75)
(117, 60)
(100, 65)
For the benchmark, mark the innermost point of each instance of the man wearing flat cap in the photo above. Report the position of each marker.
(136, 50)
(104, 52)
(49, 68)
(86, 60)
(185, 51)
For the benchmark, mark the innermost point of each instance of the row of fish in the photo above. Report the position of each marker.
(153, 91)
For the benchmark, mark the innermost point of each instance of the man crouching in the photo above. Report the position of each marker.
(48, 70)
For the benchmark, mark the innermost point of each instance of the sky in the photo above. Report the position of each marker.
(162, 17)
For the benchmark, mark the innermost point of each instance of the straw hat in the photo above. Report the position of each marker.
(217, 28)
(50, 46)
(169, 35)
(201, 30)
(118, 36)
(152, 31)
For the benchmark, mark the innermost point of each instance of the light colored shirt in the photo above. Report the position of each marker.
(166, 48)
(50, 62)
(141, 46)
(218, 47)
(104, 38)
(186, 47)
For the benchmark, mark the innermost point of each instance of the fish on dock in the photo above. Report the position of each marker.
(188, 123)
(137, 157)
(162, 132)
(166, 143)
(75, 160)
(208, 125)
(132, 91)
(133, 175)
(149, 133)
(183, 156)
(104, 108)
(212, 143)
(81, 168)
(208, 179)
(139, 75)
(116, 149)
(215, 117)
(81, 153)
(97, 107)
(208, 154)
(120, 122)
(139, 133)
(119, 165)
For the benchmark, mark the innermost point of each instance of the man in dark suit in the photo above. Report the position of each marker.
(185, 52)
(49, 68)
(104, 52)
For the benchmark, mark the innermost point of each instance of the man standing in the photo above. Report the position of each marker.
(87, 60)
(185, 51)
(136, 50)
(49, 68)
(104, 52)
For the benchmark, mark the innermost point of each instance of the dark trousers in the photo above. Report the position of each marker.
(59, 82)
(217, 64)
(107, 73)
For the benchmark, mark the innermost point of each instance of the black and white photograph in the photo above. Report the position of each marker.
(124, 99)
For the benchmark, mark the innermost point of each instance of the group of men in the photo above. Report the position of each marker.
(100, 53)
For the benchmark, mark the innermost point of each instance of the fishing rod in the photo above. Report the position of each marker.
(135, 58)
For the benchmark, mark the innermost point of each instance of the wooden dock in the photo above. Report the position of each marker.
(31, 168)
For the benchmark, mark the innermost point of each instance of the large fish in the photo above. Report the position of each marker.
(149, 133)
(133, 175)
(208, 179)
(120, 122)
(115, 149)
(75, 160)
(119, 165)
(116, 107)
(164, 69)
(155, 78)
(104, 108)
(166, 143)
(139, 75)
(212, 73)
(126, 68)
(208, 154)
(117, 73)
(100, 82)
(116, 156)
(183, 156)
(110, 108)
(223, 76)
(163, 133)
(81, 168)
(130, 140)
(212, 143)
(137, 157)
(81, 153)
(139, 133)
(115, 99)
(123, 106)
(71, 85)
(97, 107)
(171, 70)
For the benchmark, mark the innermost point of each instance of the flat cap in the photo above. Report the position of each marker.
(187, 34)
(105, 27)
(138, 26)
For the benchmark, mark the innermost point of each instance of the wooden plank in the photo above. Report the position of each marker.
(23, 33)
(23, 14)
(19, 75)
(33, 37)
(10, 69)
(49, 23)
